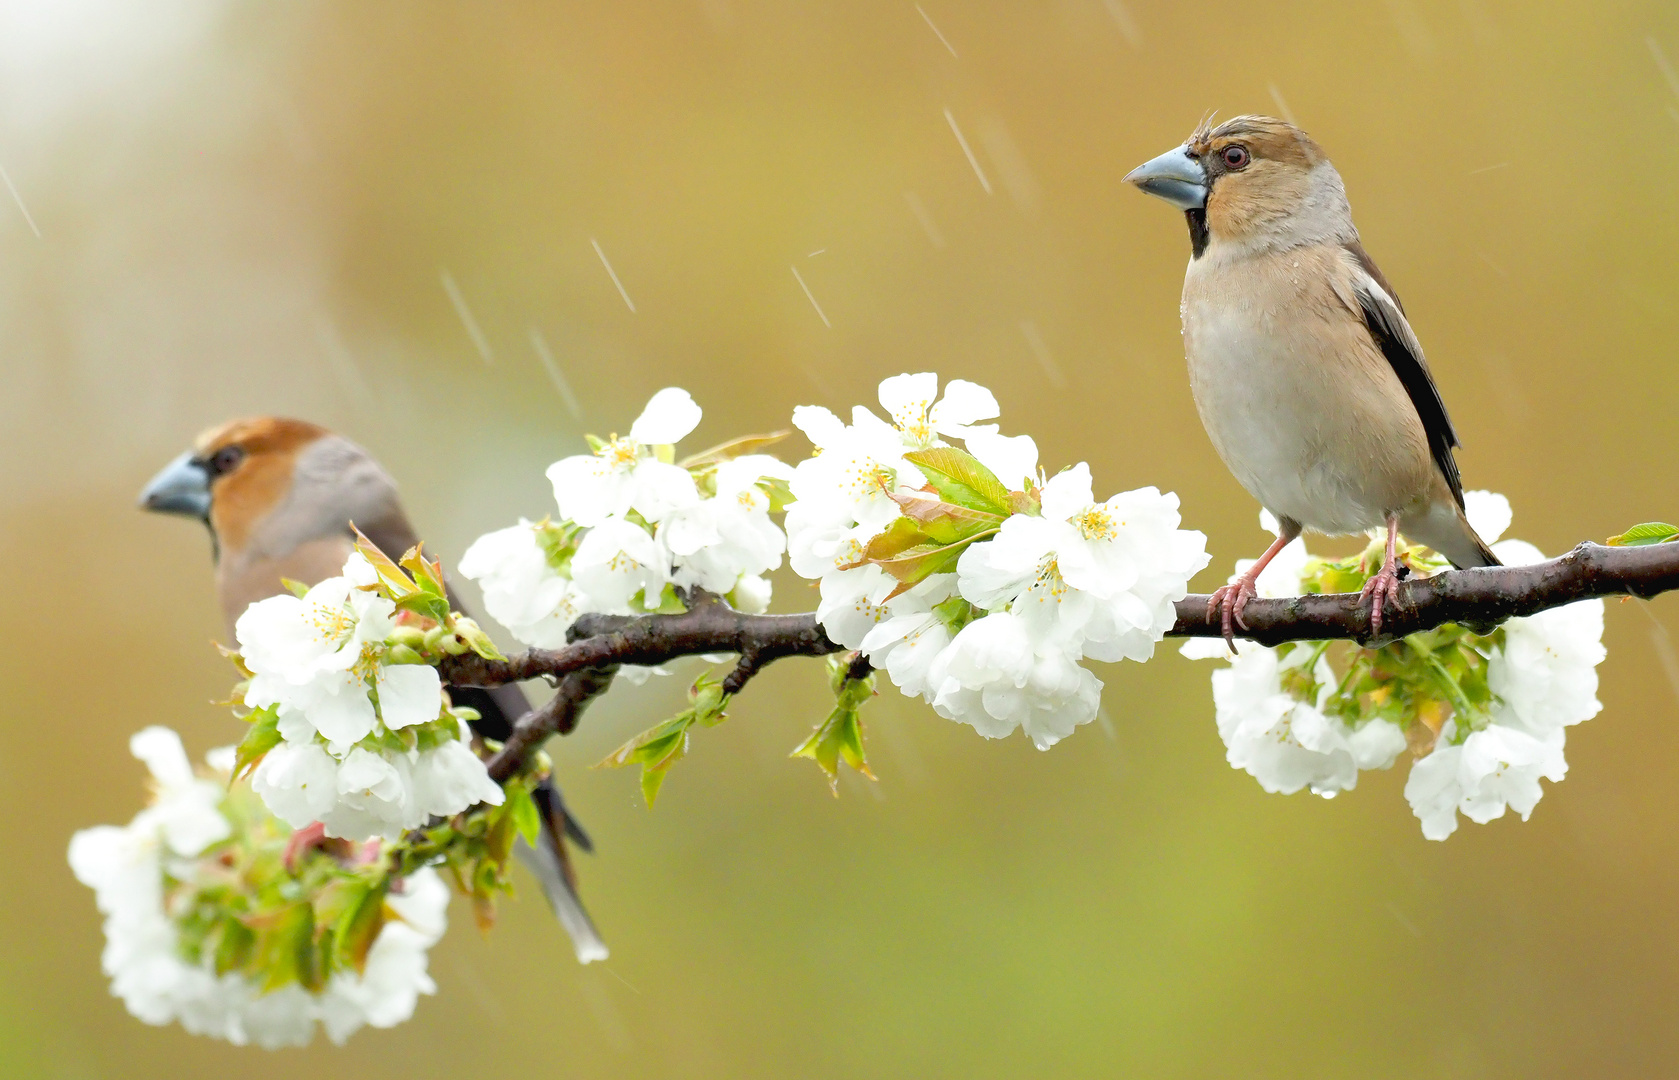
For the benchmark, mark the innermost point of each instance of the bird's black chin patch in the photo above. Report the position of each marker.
(1197, 219)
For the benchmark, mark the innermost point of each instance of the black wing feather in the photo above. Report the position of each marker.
(1385, 318)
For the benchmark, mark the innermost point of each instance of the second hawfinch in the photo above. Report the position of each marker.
(1304, 369)
(279, 497)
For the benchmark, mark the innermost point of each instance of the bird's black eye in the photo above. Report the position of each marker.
(225, 460)
(1235, 157)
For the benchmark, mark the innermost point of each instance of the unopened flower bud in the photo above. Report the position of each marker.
(403, 654)
(707, 698)
(411, 636)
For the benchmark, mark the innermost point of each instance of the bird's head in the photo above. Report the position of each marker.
(1252, 182)
(272, 482)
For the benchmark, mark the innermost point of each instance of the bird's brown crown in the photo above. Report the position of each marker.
(250, 462)
(1260, 176)
(1263, 136)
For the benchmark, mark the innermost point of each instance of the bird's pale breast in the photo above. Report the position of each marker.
(1299, 402)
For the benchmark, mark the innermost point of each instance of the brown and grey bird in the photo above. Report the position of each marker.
(1305, 371)
(279, 497)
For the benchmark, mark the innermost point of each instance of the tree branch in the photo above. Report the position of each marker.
(556, 716)
(1479, 598)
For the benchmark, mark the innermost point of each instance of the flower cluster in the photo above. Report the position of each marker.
(967, 577)
(634, 527)
(351, 723)
(176, 948)
(1488, 712)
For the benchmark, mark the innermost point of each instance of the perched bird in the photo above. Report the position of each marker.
(279, 497)
(1305, 371)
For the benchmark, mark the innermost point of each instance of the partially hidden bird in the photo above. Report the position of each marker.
(1304, 368)
(280, 498)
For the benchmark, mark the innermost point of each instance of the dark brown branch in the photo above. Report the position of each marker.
(1479, 598)
(601, 640)
(556, 716)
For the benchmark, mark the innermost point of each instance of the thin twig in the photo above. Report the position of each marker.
(557, 716)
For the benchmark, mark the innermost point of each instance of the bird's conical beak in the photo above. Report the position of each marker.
(182, 487)
(1175, 177)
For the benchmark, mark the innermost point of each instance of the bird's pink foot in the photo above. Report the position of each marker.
(1381, 591)
(1232, 598)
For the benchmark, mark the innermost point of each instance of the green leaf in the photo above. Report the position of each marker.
(262, 736)
(526, 817)
(428, 573)
(296, 588)
(235, 945)
(960, 478)
(422, 602)
(944, 522)
(285, 946)
(656, 750)
(669, 603)
(917, 564)
(390, 574)
(780, 493)
(558, 541)
(904, 533)
(1650, 532)
(358, 928)
(839, 738)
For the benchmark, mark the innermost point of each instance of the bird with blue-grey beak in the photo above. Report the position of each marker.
(279, 497)
(1304, 368)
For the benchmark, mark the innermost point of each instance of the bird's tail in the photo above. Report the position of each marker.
(1445, 529)
(547, 860)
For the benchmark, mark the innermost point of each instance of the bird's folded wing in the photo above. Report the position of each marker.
(1376, 304)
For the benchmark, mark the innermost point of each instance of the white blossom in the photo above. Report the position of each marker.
(618, 560)
(920, 420)
(389, 987)
(716, 540)
(1499, 766)
(125, 866)
(847, 483)
(911, 635)
(751, 594)
(316, 658)
(1012, 458)
(627, 473)
(1288, 744)
(320, 662)
(534, 601)
(853, 602)
(1489, 514)
(995, 678)
(1543, 678)
(1101, 579)
(1546, 670)
(371, 792)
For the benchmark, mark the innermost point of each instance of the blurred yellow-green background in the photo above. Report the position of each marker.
(238, 208)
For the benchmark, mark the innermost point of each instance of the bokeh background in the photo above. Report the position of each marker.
(380, 215)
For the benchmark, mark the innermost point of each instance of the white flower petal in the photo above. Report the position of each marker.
(1013, 458)
(1488, 513)
(668, 418)
(409, 694)
(963, 403)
